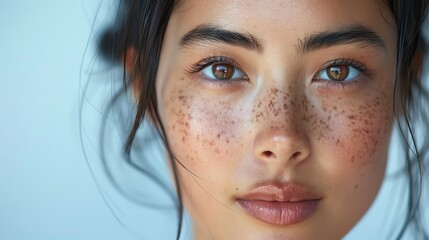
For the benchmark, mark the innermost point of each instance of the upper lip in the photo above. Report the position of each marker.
(281, 192)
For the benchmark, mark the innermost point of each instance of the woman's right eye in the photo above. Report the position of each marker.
(223, 71)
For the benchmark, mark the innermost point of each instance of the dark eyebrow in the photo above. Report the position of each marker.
(354, 34)
(216, 34)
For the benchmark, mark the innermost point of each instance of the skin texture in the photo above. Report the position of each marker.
(280, 124)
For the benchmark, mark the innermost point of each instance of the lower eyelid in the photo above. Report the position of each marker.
(221, 84)
(357, 83)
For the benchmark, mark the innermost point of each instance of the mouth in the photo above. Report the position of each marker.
(280, 204)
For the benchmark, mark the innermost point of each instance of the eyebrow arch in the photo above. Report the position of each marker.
(354, 34)
(216, 34)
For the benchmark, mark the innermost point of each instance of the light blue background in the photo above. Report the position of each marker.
(46, 189)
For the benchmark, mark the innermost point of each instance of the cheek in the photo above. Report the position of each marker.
(359, 132)
(351, 145)
(202, 131)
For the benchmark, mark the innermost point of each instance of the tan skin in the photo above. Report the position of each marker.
(277, 115)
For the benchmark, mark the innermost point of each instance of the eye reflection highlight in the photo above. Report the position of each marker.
(223, 71)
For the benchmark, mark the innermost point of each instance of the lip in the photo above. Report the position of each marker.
(280, 204)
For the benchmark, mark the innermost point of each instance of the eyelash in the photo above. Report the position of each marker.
(207, 61)
(361, 68)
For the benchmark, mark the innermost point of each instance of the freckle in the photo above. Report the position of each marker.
(183, 139)
(218, 135)
(285, 106)
(338, 142)
(182, 78)
(236, 189)
(353, 159)
(356, 186)
(352, 117)
(217, 151)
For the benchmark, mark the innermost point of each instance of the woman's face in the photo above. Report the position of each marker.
(279, 113)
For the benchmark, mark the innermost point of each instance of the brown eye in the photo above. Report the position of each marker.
(338, 73)
(223, 71)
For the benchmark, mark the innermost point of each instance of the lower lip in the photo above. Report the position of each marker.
(280, 213)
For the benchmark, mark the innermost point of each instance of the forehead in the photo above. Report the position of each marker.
(273, 7)
(276, 17)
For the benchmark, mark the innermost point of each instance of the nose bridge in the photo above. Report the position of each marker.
(280, 108)
(281, 134)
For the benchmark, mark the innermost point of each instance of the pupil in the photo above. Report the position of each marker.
(223, 71)
(338, 73)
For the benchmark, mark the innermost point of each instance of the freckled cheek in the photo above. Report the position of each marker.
(202, 131)
(359, 134)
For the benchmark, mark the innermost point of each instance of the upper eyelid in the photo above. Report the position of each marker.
(207, 61)
(343, 61)
(220, 59)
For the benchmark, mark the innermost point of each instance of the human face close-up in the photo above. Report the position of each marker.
(279, 112)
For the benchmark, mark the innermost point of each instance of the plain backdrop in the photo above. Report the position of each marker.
(46, 191)
(46, 188)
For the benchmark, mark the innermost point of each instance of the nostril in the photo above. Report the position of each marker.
(268, 154)
(296, 155)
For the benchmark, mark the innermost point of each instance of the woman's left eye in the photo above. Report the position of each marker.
(223, 71)
(338, 73)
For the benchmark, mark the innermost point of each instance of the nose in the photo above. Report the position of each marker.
(282, 146)
(281, 138)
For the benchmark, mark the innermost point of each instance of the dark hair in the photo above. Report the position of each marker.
(141, 25)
